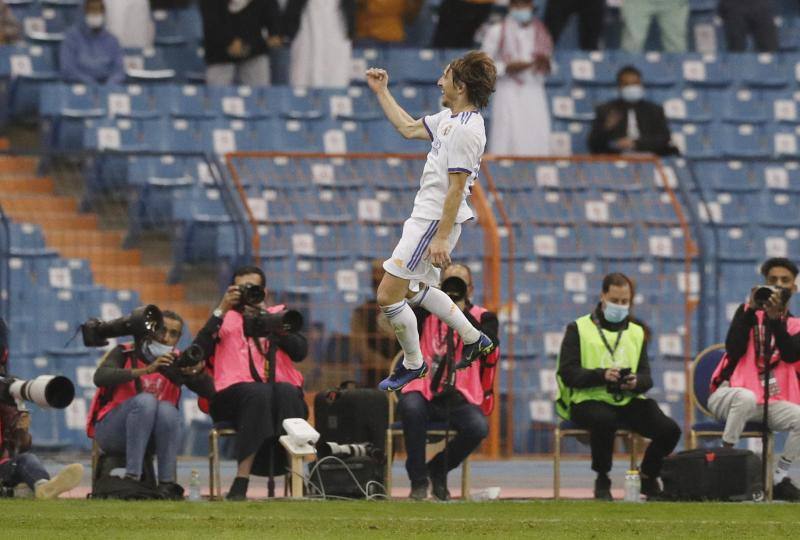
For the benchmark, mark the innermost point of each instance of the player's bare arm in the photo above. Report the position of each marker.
(438, 251)
(378, 81)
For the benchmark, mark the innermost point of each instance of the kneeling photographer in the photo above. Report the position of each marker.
(18, 465)
(603, 373)
(257, 385)
(455, 394)
(136, 404)
(763, 328)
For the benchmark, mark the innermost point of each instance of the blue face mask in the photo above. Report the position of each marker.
(153, 349)
(521, 15)
(615, 313)
(632, 93)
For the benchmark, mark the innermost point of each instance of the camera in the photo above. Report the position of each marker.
(193, 355)
(265, 324)
(616, 387)
(344, 451)
(251, 294)
(763, 293)
(143, 321)
(46, 391)
(455, 288)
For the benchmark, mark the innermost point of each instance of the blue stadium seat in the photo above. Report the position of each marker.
(289, 135)
(383, 137)
(131, 101)
(374, 240)
(63, 109)
(759, 70)
(658, 69)
(778, 176)
(744, 105)
(568, 138)
(745, 141)
(148, 60)
(538, 206)
(727, 175)
(736, 244)
(693, 140)
(688, 105)
(184, 101)
(414, 66)
(365, 58)
(705, 70)
(355, 103)
(784, 140)
(29, 68)
(589, 69)
(613, 242)
(549, 243)
(777, 207)
(237, 102)
(414, 100)
(572, 104)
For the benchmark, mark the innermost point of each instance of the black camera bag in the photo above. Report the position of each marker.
(712, 474)
(351, 415)
(354, 477)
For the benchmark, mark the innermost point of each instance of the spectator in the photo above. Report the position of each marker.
(10, 29)
(672, 17)
(131, 23)
(137, 400)
(234, 42)
(458, 22)
(372, 339)
(242, 367)
(753, 17)
(521, 49)
(630, 123)
(453, 394)
(384, 20)
(89, 54)
(322, 47)
(737, 385)
(595, 392)
(591, 20)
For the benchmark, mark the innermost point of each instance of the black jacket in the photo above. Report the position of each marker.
(221, 27)
(575, 375)
(654, 134)
(290, 17)
(739, 337)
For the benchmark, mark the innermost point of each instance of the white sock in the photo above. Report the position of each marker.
(782, 469)
(404, 322)
(437, 302)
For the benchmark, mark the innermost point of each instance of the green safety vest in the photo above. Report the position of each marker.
(594, 354)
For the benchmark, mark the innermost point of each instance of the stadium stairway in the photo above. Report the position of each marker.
(28, 198)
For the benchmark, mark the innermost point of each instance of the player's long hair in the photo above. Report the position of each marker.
(476, 71)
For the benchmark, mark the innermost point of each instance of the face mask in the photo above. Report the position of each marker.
(632, 93)
(615, 313)
(521, 15)
(95, 21)
(153, 349)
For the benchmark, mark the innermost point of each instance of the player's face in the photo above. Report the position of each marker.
(449, 91)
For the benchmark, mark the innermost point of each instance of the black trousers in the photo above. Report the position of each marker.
(591, 20)
(753, 17)
(458, 22)
(643, 416)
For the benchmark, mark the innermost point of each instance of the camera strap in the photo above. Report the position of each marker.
(764, 343)
(253, 370)
(611, 351)
(445, 366)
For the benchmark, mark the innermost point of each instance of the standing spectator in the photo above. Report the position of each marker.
(753, 17)
(630, 123)
(672, 17)
(458, 22)
(89, 54)
(322, 47)
(10, 29)
(131, 23)
(234, 42)
(521, 49)
(591, 20)
(384, 20)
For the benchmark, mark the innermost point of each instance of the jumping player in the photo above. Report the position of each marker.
(458, 138)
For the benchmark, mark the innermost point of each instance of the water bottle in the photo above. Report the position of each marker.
(633, 486)
(194, 486)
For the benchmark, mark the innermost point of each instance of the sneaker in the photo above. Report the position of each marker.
(785, 490)
(439, 488)
(171, 491)
(469, 353)
(402, 376)
(420, 492)
(67, 478)
(651, 488)
(602, 488)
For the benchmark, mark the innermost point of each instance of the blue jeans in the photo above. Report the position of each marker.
(128, 429)
(23, 468)
(465, 418)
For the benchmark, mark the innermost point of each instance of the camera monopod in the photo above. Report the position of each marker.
(762, 355)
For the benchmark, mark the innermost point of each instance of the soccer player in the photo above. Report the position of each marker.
(458, 138)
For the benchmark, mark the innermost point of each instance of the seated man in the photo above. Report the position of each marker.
(450, 396)
(242, 368)
(136, 403)
(603, 373)
(17, 464)
(630, 123)
(89, 54)
(738, 383)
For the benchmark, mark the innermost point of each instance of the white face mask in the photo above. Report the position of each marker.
(153, 349)
(632, 93)
(95, 21)
(521, 15)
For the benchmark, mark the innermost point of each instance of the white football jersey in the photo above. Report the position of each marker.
(457, 144)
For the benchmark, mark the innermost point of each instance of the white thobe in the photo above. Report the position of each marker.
(321, 51)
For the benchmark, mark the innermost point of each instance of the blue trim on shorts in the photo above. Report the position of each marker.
(423, 245)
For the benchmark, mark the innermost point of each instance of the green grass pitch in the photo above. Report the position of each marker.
(75, 519)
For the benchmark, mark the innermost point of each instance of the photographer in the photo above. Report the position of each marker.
(17, 463)
(452, 394)
(738, 383)
(241, 367)
(136, 403)
(603, 373)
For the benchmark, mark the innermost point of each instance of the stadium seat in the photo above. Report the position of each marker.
(778, 176)
(238, 102)
(759, 70)
(184, 101)
(745, 141)
(573, 104)
(131, 101)
(689, 105)
(415, 66)
(589, 69)
(614, 242)
(744, 105)
(705, 70)
(727, 175)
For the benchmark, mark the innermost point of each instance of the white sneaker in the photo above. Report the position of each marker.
(67, 478)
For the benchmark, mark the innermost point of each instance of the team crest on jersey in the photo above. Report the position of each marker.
(447, 129)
